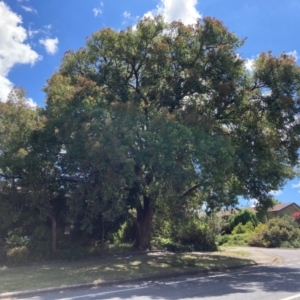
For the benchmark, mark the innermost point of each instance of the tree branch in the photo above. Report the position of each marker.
(190, 190)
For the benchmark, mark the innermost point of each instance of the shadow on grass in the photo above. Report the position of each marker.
(101, 270)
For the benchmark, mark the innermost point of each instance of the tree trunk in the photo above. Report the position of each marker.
(144, 224)
(53, 233)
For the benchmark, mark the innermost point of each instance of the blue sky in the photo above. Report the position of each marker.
(35, 34)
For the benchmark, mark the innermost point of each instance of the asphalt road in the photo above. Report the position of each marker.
(276, 282)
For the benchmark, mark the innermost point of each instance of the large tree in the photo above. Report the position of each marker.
(157, 113)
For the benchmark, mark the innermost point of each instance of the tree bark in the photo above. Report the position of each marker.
(144, 224)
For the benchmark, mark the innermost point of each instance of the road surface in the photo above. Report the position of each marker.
(276, 282)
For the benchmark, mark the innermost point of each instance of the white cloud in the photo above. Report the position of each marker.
(13, 48)
(31, 103)
(296, 186)
(51, 45)
(32, 33)
(294, 54)
(14, 96)
(249, 64)
(266, 92)
(276, 193)
(253, 202)
(184, 10)
(97, 11)
(126, 15)
(48, 27)
(29, 9)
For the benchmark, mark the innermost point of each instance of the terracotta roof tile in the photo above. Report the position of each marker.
(278, 207)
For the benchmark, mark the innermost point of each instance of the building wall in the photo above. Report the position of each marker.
(286, 211)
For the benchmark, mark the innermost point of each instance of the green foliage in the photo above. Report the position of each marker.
(15, 239)
(146, 120)
(243, 217)
(195, 234)
(239, 235)
(40, 243)
(163, 228)
(233, 239)
(177, 247)
(275, 233)
(240, 228)
(290, 244)
(18, 254)
(125, 234)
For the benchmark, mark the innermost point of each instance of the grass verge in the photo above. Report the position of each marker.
(51, 275)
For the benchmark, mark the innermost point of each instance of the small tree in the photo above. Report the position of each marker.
(243, 217)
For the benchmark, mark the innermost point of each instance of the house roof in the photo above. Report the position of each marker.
(276, 207)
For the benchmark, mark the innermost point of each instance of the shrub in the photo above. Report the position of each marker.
(196, 236)
(15, 239)
(240, 239)
(125, 234)
(276, 232)
(244, 216)
(240, 228)
(18, 254)
(40, 243)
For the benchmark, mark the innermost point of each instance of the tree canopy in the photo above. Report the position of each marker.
(160, 115)
(161, 112)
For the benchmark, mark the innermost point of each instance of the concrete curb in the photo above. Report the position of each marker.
(120, 281)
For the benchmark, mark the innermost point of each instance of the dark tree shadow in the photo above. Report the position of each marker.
(269, 279)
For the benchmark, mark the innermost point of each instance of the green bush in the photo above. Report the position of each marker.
(240, 228)
(15, 239)
(234, 240)
(290, 244)
(125, 234)
(275, 233)
(40, 243)
(162, 229)
(195, 235)
(18, 254)
(244, 216)
(222, 239)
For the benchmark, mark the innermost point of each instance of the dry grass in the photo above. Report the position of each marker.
(49, 275)
(233, 252)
